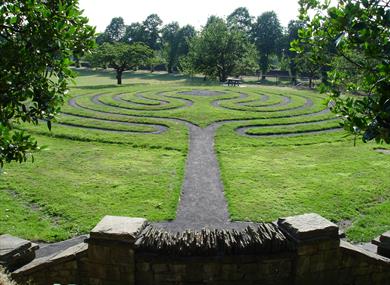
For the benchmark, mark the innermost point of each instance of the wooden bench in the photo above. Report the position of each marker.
(233, 82)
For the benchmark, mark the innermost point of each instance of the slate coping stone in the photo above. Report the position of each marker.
(309, 227)
(116, 228)
(15, 252)
(9, 245)
(70, 253)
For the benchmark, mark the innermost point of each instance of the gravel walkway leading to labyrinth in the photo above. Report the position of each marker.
(202, 203)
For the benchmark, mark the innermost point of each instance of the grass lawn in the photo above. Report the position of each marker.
(339, 181)
(121, 150)
(73, 184)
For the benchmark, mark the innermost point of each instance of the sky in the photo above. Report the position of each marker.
(194, 12)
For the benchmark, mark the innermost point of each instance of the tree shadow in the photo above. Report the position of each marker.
(109, 86)
(140, 76)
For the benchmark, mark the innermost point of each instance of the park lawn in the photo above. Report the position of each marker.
(201, 113)
(339, 181)
(72, 185)
(88, 173)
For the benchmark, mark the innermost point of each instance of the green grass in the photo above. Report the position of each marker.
(72, 185)
(337, 180)
(99, 162)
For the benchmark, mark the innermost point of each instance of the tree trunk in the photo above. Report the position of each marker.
(310, 82)
(119, 76)
(294, 80)
(262, 76)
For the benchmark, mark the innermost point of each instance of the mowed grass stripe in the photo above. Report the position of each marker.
(82, 184)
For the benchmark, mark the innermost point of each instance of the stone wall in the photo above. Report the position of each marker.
(67, 267)
(240, 269)
(309, 251)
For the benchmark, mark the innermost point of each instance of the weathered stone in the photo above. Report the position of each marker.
(384, 251)
(160, 268)
(121, 255)
(16, 252)
(99, 253)
(143, 267)
(309, 227)
(358, 254)
(385, 238)
(308, 249)
(118, 228)
(69, 254)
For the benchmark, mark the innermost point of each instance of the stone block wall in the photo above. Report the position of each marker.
(271, 269)
(67, 267)
(114, 255)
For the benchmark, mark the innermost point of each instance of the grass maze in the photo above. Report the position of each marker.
(261, 115)
(123, 151)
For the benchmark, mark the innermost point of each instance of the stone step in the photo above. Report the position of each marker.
(16, 252)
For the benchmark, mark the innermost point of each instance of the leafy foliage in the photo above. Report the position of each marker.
(152, 26)
(115, 31)
(37, 41)
(358, 33)
(240, 19)
(219, 52)
(121, 57)
(292, 35)
(267, 33)
(176, 41)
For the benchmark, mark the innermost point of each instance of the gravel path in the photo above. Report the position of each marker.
(202, 202)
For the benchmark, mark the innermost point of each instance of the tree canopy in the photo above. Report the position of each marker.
(37, 42)
(218, 51)
(176, 43)
(267, 33)
(240, 19)
(115, 31)
(121, 57)
(357, 33)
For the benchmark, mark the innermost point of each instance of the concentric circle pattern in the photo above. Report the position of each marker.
(259, 114)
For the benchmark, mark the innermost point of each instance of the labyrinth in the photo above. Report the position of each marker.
(194, 156)
(259, 114)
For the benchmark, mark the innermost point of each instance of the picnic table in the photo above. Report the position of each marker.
(233, 81)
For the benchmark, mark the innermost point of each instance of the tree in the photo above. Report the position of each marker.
(155, 60)
(171, 44)
(218, 51)
(121, 57)
(292, 35)
(115, 31)
(151, 27)
(176, 43)
(267, 33)
(134, 33)
(240, 19)
(37, 41)
(359, 34)
(306, 66)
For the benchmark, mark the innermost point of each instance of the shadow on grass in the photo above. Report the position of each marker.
(109, 86)
(140, 76)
